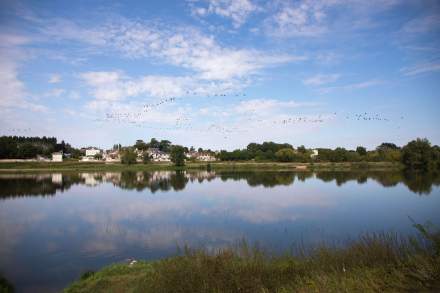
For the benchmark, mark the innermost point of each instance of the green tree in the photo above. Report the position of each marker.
(436, 156)
(361, 151)
(164, 146)
(98, 156)
(418, 155)
(27, 151)
(178, 155)
(141, 145)
(146, 159)
(302, 149)
(154, 143)
(128, 157)
(387, 146)
(285, 155)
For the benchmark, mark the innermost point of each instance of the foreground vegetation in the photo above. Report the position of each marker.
(374, 263)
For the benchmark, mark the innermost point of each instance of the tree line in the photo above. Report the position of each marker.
(418, 154)
(21, 147)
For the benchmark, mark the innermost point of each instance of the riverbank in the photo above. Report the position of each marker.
(228, 166)
(374, 263)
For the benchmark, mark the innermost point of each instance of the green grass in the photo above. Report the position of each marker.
(238, 166)
(373, 263)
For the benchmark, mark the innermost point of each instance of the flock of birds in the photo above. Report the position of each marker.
(18, 130)
(253, 118)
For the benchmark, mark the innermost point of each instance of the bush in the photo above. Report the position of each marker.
(285, 155)
(178, 155)
(146, 158)
(128, 157)
(418, 155)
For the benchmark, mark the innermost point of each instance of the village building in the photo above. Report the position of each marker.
(205, 157)
(111, 156)
(157, 155)
(91, 152)
(57, 157)
(201, 156)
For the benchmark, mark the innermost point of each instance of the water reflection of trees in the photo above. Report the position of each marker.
(18, 185)
(266, 179)
(420, 183)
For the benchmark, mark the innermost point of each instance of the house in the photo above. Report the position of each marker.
(57, 157)
(201, 156)
(314, 154)
(88, 159)
(112, 156)
(158, 156)
(205, 157)
(42, 159)
(91, 152)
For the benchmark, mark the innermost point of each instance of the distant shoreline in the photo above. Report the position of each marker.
(227, 166)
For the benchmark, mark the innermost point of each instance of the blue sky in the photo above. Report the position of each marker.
(221, 73)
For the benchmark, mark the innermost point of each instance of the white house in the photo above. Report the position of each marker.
(88, 159)
(111, 156)
(57, 157)
(91, 152)
(158, 156)
(201, 156)
(205, 157)
(314, 154)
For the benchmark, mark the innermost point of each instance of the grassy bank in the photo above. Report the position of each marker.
(247, 165)
(374, 263)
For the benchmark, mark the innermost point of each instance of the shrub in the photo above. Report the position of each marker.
(128, 157)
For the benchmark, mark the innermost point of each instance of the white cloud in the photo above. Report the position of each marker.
(183, 47)
(268, 106)
(236, 10)
(62, 29)
(302, 18)
(114, 86)
(190, 49)
(352, 86)
(55, 78)
(13, 40)
(321, 79)
(423, 24)
(74, 95)
(54, 93)
(313, 18)
(421, 68)
(12, 90)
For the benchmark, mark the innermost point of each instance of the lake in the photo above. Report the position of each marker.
(54, 227)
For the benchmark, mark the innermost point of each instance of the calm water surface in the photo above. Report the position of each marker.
(53, 227)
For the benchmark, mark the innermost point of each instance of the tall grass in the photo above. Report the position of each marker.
(373, 263)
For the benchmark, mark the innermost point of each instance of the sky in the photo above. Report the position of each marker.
(220, 74)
